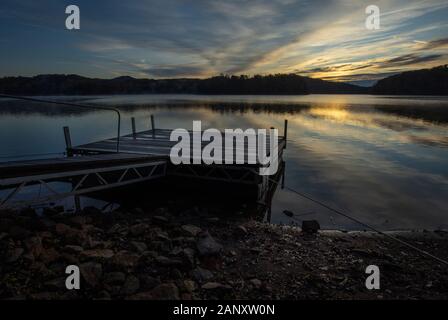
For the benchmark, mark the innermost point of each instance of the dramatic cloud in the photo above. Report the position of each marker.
(200, 38)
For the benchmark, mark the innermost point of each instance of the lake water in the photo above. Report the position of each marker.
(382, 159)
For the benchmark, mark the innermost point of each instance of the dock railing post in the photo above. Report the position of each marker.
(68, 141)
(134, 133)
(285, 131)
(153, 128)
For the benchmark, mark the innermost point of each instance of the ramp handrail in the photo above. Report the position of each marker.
(72, 105)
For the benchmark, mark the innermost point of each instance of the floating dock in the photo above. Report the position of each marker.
(120, 161)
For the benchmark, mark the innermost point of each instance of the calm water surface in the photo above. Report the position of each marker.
(383, 159)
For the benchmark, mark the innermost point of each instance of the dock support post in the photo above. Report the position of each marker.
(78, 207)
(153, 128)
(285, 131)
(68, 142)
(283, 175)
(133, 127)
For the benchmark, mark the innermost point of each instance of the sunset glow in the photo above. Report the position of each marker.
(168, 39)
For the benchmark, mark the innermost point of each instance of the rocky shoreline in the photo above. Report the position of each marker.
(161, 254)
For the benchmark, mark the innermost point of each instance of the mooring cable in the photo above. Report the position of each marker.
(322, 204)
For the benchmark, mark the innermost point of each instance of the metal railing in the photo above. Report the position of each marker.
(72, 105)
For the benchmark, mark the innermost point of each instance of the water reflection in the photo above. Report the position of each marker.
(383, 159)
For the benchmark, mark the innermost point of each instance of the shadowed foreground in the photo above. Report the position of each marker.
(196, 254)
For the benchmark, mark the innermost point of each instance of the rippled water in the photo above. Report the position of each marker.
(382, 159)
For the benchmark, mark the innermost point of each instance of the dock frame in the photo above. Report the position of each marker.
(116, 162)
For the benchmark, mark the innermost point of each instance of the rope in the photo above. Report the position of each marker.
(405, 243)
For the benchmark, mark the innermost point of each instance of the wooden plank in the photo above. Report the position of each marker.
(144, 143)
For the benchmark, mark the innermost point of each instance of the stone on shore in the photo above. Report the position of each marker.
(191, 230)
(310, 226)
(207, 245)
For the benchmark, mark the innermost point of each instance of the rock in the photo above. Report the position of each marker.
(188, 256)
(215, 285)
(139, 211)
(55, 284)
(46, 224)
(115, 229)
(130, 286)
(186, 296)
(100, 244)
(42, 296)
(207, 246)
(166, 291)
(79, 221)
(91, 273)
(162, 236)
(72, 235)
(176, 251)
(362, 252)
(162, 246)
(189, 285)
(34, 246)
(160, 220)
(191, 230)
(241, 230)
(182, 241)
(69, 295)
(40, 268)
(49, 255)
(125, 259)
(14, 254)
(73, 249)
(256, 283)
(139, 246)
(310, 226)
(98, 254)
(28, 258)
(114, 278)
(138, 229)
(167, 262)
(149, 282)
(61, 228)
(202, 275)
(71, 259)
(175, 274)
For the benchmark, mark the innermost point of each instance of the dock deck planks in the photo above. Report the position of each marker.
(144, 143)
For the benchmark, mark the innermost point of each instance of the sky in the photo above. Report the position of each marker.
(324, 39)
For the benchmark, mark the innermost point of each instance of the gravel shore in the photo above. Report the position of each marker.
(192, 254)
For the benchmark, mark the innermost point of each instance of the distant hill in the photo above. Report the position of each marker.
(420, 82)
(319, 86)
(56, 84)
